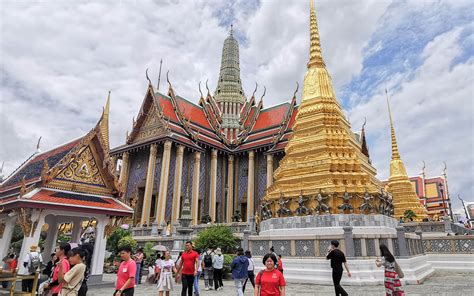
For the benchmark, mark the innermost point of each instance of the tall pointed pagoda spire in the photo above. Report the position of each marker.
(229, 93)
(323, 153)
(404, 196)
(104, 123)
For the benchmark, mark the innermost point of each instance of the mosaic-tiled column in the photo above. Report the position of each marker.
(150, 175)
(212, 199)
(269, 170)
(250, 185)
(123, 178)
(178, 174)
(195, 201)
(230, 189)
(163, 189)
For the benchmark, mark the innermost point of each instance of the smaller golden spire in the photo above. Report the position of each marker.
(395, 153)
(315, 54)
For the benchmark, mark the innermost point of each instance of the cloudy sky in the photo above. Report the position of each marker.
(58, 60)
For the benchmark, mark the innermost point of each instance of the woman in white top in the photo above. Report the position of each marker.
(72, 279)
(166, 269)
(250, 270)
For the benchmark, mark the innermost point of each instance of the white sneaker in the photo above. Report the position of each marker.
(207, 289)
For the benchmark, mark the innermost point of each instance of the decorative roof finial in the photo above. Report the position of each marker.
(1, 172)
(256, 87)
(159, 75)
(264, 92)
(395, 153)
(207, 87)
(38, 150)
(231, 29)
(200, 89)
(296, 90)
(104, 123)
(315, 54)
(147, 78)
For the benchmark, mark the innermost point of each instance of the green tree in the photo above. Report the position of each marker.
(127, 241)
(408, 215)
(147, 249)
(115, 237)
(217, 236)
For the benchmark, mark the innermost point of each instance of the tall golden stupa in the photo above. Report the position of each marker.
(323, 157)
(399, 185)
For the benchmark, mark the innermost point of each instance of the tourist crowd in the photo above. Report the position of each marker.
(193, 264)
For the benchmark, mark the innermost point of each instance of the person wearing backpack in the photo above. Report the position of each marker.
(392, 274)
(239, 267)
(208, 270)
(218, 265)
(32, 264)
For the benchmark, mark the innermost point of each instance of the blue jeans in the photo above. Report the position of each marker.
(196, 282)
(137, 275)
(239, 283)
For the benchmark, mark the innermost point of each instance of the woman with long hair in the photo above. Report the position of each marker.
(393, 285)
(167, 267)
(269, 281)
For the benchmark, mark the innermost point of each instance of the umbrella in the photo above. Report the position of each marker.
(159, 248)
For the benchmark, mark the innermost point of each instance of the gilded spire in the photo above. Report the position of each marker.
(315, 55)
(395, 153)
(104, 123)
(399, 185)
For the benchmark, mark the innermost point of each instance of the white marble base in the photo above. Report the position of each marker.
(364, 271)
(453, 262)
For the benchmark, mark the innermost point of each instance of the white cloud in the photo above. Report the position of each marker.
(59, 59)
(432, 112)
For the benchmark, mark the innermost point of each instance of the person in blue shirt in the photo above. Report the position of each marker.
(239, 267)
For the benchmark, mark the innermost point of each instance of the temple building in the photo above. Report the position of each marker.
(221, 152)
(73, 183)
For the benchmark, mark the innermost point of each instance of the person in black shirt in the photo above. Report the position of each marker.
(337, 258)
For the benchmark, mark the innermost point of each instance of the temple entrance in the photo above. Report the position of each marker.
(243, 211)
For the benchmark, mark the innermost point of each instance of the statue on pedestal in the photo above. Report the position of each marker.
(266, 211)
(302, 209)
(366, 206)
(321, 207)
(283, 210)
(345, 203)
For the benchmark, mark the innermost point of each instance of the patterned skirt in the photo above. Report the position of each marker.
(393, 286)
(165, 283)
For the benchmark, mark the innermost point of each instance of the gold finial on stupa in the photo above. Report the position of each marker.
(395, 153)
(315, 55)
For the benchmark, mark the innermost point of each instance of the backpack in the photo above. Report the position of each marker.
(35, 263)
(207, 260)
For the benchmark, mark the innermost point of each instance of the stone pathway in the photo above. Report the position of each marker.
(442, 283)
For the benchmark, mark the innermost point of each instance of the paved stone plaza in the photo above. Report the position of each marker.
(442, 283)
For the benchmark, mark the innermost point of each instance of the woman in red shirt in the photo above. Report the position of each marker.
(270, 281)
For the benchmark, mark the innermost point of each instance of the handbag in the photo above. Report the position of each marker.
(399, 270)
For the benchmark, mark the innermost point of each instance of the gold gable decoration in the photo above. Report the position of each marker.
(151, 127)
(83, 169)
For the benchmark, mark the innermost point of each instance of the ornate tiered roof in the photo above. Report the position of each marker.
(171, 116)
(78, 176)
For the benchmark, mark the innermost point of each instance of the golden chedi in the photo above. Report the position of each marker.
(324, 162)
(399, 185)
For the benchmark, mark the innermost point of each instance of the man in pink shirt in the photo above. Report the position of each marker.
(125, 285)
